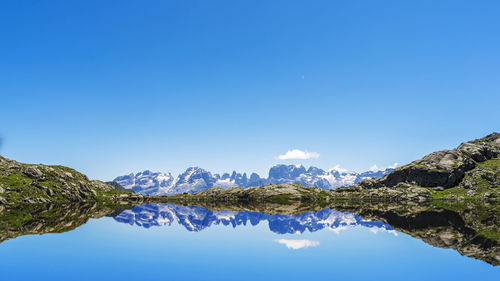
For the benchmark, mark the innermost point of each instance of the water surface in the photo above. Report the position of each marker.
(174, 242)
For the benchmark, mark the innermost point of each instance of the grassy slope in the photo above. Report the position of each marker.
(35, 183)
(479, 185)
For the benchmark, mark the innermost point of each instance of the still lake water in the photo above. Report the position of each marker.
(172, 242)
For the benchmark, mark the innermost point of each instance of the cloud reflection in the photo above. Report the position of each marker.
(296, 244)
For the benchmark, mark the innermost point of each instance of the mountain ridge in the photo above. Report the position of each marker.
(196, 179)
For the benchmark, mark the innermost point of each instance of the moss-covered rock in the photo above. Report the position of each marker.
(36, 183)
(470, 171)
(446, 168)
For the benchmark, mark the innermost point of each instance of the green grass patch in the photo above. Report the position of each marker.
(491, 164)
(16, 218)
(280, 198)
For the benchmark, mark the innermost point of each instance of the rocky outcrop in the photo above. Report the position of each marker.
(400, 192)
(36, 183)
(445, 168)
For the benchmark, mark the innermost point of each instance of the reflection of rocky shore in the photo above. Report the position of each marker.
(471, 228)
(195, 218)
(40, 219)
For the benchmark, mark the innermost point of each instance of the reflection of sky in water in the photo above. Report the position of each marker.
(104, 249)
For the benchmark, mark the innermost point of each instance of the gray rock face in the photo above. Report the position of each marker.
(37, 183)
(32, 172)
(446, 168)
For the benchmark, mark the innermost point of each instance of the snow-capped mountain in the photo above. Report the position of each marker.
(146, 182)
(196, 179)
(195, 218)
(317, 177)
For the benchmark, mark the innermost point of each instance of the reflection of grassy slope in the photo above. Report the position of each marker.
(471, 227)
(484, 218)
(40, 219)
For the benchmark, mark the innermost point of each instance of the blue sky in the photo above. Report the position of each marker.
(110, 87)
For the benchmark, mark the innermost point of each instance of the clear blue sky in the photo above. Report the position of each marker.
(111, 87)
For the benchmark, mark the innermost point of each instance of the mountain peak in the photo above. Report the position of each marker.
(195, 179)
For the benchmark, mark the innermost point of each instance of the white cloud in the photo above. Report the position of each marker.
(298, 154)
(338, 169)
(297, 244)
(375, 168)
(393, 165)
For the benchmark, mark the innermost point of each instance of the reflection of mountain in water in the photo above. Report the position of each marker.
(198, 218)
(471, 228)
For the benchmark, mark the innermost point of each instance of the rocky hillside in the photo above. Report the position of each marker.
(470, 171)
(37, 183)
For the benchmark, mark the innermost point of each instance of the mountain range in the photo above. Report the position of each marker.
(196, 179)
(195, 218)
